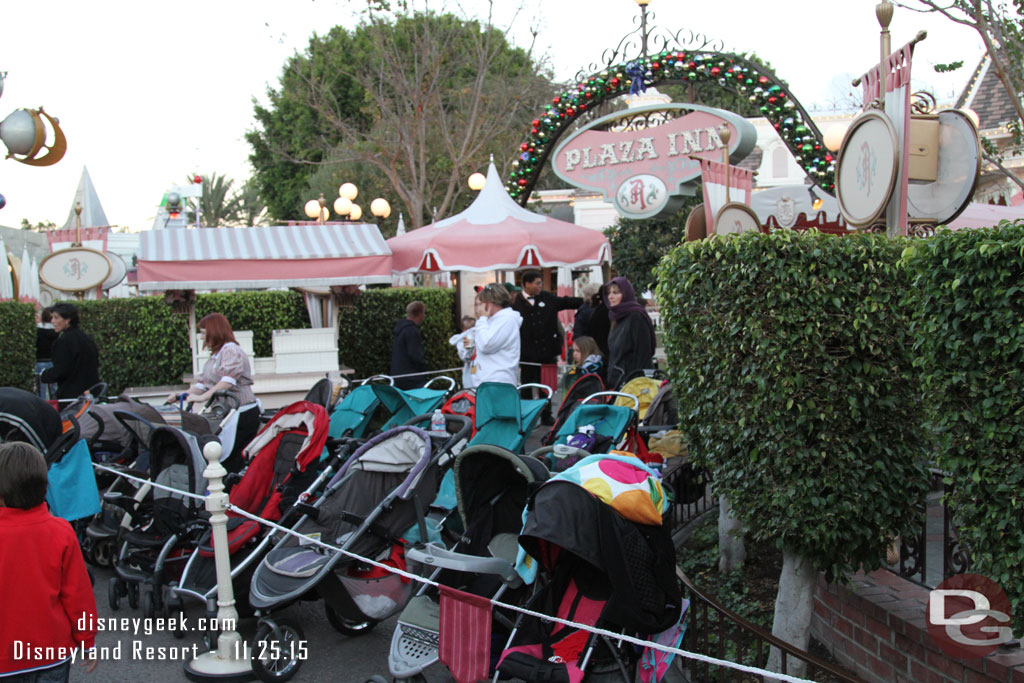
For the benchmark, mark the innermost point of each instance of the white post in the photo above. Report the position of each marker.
(230, 661)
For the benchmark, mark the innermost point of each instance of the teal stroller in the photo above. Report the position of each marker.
(355, 415)
(505, 419)
(594, 427)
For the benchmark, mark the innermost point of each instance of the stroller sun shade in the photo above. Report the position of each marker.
(638, 559)
(26, 417)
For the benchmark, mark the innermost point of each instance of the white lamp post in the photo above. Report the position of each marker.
(477, 181)
(24, 135)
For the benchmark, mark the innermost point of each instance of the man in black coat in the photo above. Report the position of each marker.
(407, 348)
(540, 341)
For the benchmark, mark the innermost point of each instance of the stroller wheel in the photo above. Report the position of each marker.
(132, 591)
(114, 589)
(278, 650)
(101, 552)
(348, 627)
(148, 604)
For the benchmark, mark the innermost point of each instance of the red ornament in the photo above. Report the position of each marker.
(556, 99)
(524, 147)
(583, 107)
(691, 65)
(535, 123)
(762, 80)
(777, 126)
(614, 82)
(197, 179)
(588, 95)
(522, 182)
(772, 100)
(570, 111)
(715, 71)
(828, 157)
(533, 131)
(656, 66)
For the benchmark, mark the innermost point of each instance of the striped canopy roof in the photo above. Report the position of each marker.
(253, 258)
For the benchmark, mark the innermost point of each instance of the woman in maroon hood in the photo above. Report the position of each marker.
(631, 340)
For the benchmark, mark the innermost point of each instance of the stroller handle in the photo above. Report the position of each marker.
(435, 556)
(534, 385)
(445, 378)
(631, 397)
(377, 378)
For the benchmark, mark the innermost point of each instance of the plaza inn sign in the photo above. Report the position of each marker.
(645, 159)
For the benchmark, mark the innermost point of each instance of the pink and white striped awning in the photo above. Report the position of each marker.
(256, 258)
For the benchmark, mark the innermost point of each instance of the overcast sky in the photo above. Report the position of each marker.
(148, 94)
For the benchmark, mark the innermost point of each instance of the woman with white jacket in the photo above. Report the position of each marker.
(496, 335)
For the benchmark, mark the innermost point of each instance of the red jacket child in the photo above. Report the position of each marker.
(47, 608)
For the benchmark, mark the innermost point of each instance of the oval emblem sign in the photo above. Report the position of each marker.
(641, 196)
(75, 269)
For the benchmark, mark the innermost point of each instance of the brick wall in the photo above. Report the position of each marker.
(875, 627)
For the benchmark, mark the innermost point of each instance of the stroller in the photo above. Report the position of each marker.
(593, 427)
(165, 526)
(585, 386)
(72, 492)
(281, 470)
(378, 494)
(606, 560)
(462, 402)
(643, 389)
(503, 418)
(492, 485)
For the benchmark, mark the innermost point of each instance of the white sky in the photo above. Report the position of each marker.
(148, 94)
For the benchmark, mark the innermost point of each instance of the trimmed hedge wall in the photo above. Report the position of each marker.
(968, 295)
(261, 312)
(18, 341)
(791, 358)
(365, 338)
(140, 340)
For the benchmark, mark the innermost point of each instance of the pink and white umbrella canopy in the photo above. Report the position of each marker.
(495, 233)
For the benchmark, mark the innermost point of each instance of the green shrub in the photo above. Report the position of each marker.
(790, 355)
(968, 294)
(140, 340)
(261, 312)
(366, 331)
(18, 340)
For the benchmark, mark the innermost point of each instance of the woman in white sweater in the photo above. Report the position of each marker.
(496, 335)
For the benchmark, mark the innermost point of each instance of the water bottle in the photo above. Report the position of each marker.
(437, 423)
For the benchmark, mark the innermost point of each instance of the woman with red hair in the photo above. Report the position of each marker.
(227, 369)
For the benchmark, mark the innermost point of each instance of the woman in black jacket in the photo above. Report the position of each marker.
(75, 358)
(631, 340)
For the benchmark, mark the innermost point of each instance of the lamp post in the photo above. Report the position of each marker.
(316, 209)
(477, 181)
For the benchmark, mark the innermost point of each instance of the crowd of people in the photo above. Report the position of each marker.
(515, 331)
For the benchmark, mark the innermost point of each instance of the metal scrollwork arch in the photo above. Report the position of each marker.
(683, 57)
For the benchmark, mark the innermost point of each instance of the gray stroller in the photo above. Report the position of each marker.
(380, 494)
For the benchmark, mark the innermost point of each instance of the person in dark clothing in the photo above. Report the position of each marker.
(76, 360)
(540, 341)
(631, 341)
(407, 349)
(45, 336)
(592, 318)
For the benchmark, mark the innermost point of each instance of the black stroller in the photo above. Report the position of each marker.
(165, 526)
(491, 487)
(597, 568)
(382, 491)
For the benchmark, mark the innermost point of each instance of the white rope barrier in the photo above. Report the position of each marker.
(307, 540)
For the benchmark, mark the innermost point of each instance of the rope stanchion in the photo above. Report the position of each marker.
(225, 657)
(227, 662)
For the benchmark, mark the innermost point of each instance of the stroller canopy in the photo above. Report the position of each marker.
(638, 559)
(26, 417)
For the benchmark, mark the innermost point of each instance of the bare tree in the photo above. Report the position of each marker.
(436, 93)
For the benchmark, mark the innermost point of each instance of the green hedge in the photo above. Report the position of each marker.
(18, 341)
(791, 359)
(366, 331)
(261, 312)
(140, 340)
(968, 294)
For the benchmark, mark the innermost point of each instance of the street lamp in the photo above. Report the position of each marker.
(477, 181)
(380, 208)
(316, 209)
(24, 134)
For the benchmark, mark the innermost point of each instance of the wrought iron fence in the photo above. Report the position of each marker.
(690, 492)
(935, 552)
(714, 630)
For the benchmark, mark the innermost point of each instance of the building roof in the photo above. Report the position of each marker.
(985, 94)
